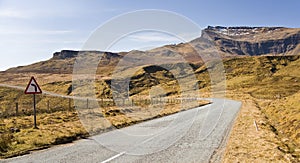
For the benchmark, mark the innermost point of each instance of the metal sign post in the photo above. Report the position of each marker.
(33, 88)
(34, 112)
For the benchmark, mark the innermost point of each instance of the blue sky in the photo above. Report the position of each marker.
(32, 31)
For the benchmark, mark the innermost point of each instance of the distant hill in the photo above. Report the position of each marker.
(225, 41)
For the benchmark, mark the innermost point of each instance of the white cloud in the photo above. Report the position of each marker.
(162, 37)
(61, 41)
(33, 31)
(152, 37)
(12, 13)
(52, 32)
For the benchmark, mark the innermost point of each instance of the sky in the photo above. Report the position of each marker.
(31, 31)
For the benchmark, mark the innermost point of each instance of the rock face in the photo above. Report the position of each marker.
(64, 54)
(253, 40)
(258, 48)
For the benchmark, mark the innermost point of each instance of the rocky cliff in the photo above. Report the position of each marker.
(254, 40)
(66, 54)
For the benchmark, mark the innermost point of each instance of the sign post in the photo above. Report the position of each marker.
(33, 88)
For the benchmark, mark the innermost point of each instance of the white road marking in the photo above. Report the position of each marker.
(114, 157)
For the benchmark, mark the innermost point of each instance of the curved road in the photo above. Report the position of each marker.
(188, 136)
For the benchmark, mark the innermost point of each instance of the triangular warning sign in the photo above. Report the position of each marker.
(33, 87)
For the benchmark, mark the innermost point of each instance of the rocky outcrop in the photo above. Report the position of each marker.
(258, 48)
(64, 54)
(251, 40)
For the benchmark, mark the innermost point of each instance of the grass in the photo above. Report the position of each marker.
(284, 115)
(272, 86)
(246, 144)
(54, 128)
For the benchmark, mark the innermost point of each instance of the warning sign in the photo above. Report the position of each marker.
(33, 87)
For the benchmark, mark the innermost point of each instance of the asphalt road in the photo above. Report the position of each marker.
(196, 135)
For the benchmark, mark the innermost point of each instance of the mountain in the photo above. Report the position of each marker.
(224, 41)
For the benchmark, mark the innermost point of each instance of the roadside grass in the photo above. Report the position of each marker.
(277, 137)
(272, 85)
(246, 144)
(284, 115)
(54, 128)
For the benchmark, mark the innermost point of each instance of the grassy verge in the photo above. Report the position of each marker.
(284, 115)
(248, 144)
(269, 91)
(54, 128)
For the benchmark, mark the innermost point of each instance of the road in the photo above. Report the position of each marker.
(195, 135)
